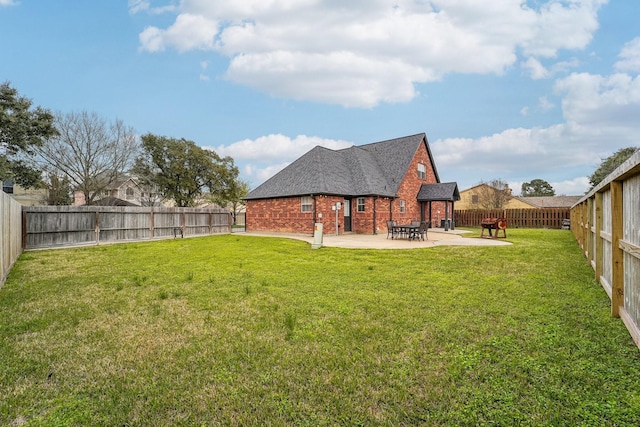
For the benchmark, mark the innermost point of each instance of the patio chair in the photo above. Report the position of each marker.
(390, 230)
(421, 232)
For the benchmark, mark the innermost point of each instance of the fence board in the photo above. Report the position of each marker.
(614, 226)
(631, 213)
(516, 218)
(11, 232)
(53, 226)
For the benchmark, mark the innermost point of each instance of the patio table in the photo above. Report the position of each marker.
(407, 230)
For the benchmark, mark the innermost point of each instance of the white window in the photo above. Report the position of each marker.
(403, 206)
(306, 204)
(129, 193)
(422, 171)
(360, 204)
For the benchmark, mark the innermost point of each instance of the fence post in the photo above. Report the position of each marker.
(596, 235)
(151, 225)
(617, 255)
(97, 227)
(24, 228)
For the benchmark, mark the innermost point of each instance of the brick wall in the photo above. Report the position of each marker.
(409, 190)
(283, 215)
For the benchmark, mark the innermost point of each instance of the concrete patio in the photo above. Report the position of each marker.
(435, 237)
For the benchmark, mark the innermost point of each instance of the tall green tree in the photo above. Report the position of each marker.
(609, 164)
(22, 128)
(233, 197)
(58, 190)
(536, 188)
(183, 171)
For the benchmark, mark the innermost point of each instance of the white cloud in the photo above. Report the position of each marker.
(572, 187)
(630, 57)
(203, 67)
(536, 69)
(8, 2)
(265, 156)
(561, 25)
(544, 104)
(606, 104)
(359, 54)
(601, 116)
(261, 174)
(136, 6)
(277, 146)
(189, 32)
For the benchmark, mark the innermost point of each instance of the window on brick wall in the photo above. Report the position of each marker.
(422, 171)
(306, 204)
(403, 206)
(474, 199)
(360, 204)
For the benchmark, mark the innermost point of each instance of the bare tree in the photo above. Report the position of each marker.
(89, 151)
(493, 194)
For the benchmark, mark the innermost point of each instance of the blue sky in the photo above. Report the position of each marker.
(508, 89)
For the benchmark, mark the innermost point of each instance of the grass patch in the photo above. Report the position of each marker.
(242, 330)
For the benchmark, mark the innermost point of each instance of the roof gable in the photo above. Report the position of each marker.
(370, 169)
(444, 191)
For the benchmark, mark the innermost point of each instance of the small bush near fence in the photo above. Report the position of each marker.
(516, 218)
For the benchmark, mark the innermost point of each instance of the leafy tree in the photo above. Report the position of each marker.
(609, 164)
(21, 129)
(493, 194)
(59, 191)
(90, 152)
(233, 196)
(183, 171)
(537, 187)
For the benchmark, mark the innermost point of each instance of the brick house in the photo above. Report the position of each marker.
(388, 180)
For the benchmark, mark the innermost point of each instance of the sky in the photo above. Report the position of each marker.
(514, 90)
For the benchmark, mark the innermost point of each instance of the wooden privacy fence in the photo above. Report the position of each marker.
(53, 226)
(11, 232)
(516, 218)
(606, 224)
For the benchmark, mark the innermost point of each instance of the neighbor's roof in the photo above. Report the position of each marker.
(444, 191)
(375, 169)
(551, 201)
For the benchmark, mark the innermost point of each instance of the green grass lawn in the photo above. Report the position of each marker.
(241, 330)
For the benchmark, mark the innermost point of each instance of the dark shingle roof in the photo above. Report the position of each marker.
(371, 169)
(551, 201)
(445, 191)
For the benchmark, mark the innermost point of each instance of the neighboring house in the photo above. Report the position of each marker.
(370, 184)
(25, 196)
(550, 201)
(472, 198)
(478, 196)
(122, 192)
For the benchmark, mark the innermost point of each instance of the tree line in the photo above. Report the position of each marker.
(83, 152)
